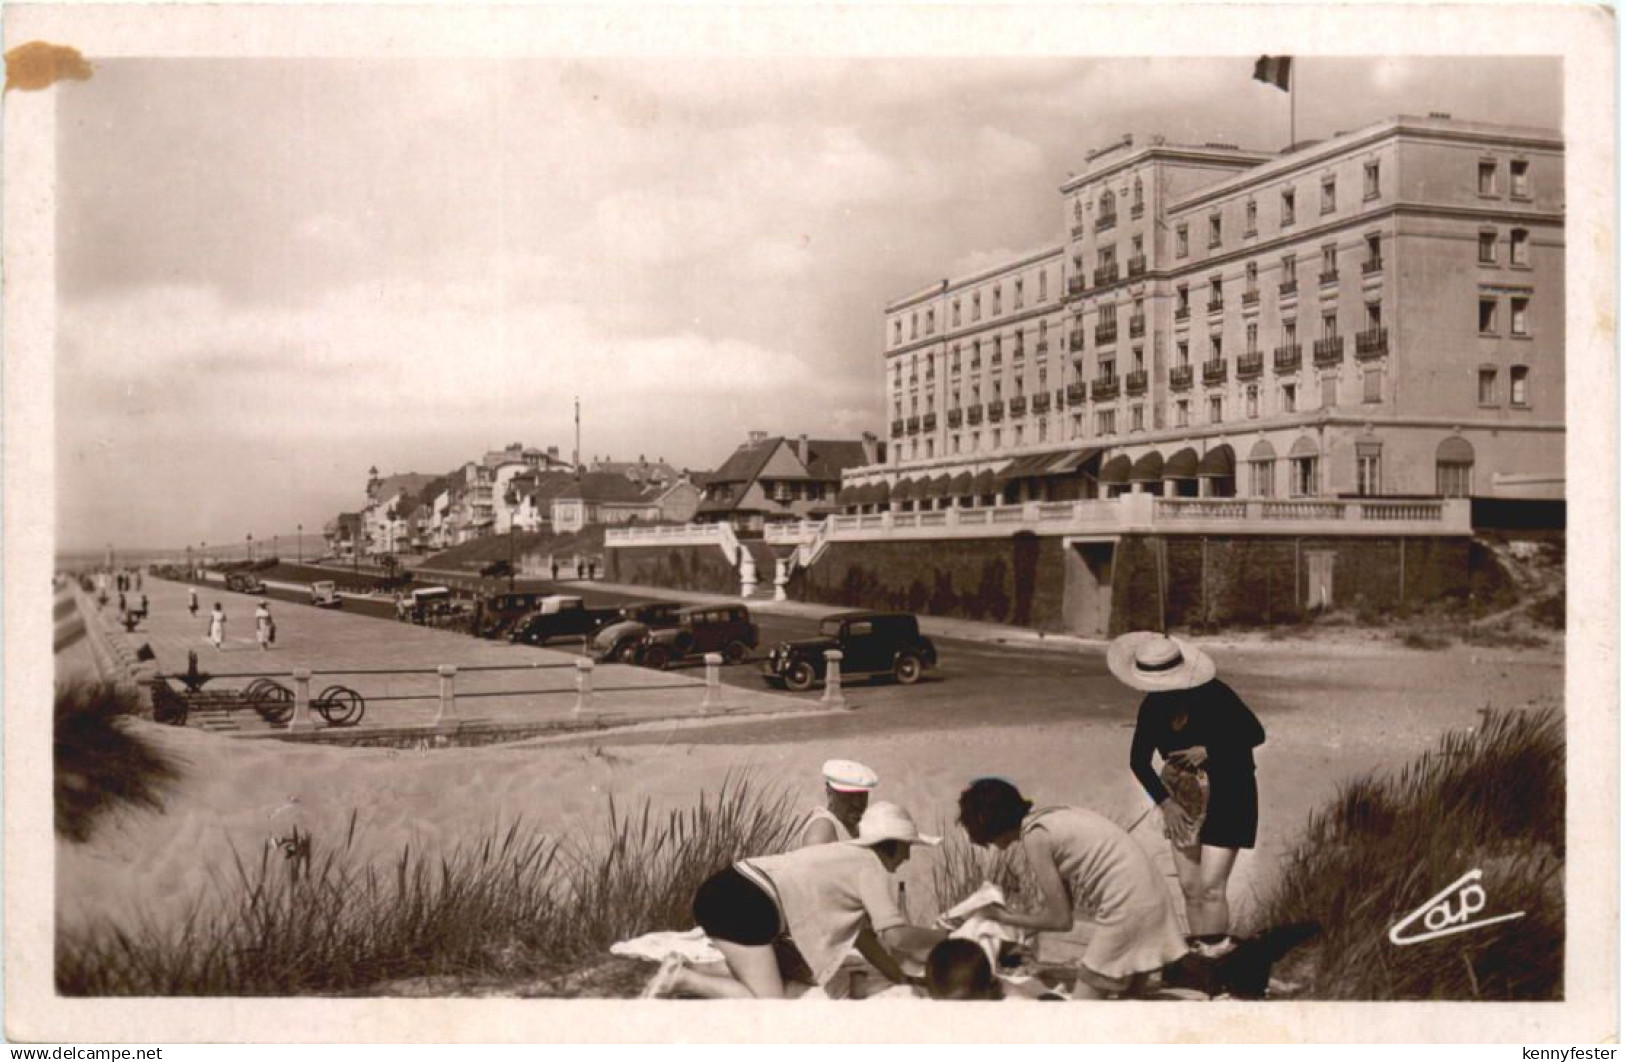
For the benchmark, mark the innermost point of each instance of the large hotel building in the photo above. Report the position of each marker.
(1380, 313)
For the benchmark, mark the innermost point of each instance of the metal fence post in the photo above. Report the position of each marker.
(447, 713)
(301, 701)
(713, 682)
(832, 680)
(583, 686)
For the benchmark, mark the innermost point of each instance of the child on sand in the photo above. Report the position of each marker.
(1082, 861)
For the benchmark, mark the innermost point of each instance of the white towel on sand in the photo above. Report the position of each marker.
(693, 946)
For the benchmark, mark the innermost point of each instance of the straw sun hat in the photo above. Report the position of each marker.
(885, 821)
(1150, 661)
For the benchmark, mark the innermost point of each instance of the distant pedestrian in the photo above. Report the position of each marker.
(217, 626)
(262, 624)
(555, 571)
(122, 607)
(138, 585)
(191, 600)
(143, 604)
(592, 569)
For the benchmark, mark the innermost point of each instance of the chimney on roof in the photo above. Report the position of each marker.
(870, 456)
(756, 438)
(805, 454)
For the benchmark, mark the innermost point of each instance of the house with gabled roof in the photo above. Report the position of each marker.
(772, 479)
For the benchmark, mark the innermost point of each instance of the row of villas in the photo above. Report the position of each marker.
(1381, 313)
(514, 489)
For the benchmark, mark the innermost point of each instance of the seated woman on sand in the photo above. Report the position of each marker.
(1081, 861)
(816, 903)
(847, 785)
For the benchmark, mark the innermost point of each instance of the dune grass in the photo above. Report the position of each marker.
(100, 764)
(314, 915)
(1492, 799)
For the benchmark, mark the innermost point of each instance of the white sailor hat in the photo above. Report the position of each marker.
(849, 776)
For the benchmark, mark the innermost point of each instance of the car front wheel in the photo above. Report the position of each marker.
(734, 651)
(655, 658)
(907, 669)
(800, 677)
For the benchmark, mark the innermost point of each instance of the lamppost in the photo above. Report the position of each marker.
(511, 501)
(276, 546)
(299, 544)
(251, 545)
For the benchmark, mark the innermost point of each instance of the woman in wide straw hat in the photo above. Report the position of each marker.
(799, 913)
(1205, 735)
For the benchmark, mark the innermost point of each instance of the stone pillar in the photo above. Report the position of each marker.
(301, 701)
(583, 687)
(747, 573)
(832, 680)
(781, 579)
(713, 682)
(446, 715)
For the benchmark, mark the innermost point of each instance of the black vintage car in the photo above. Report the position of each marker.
(618, 641)
(701, 629)
(871, 644)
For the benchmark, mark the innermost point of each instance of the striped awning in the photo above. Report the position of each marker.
(903, 490)
(1219, 461)
(1148, 469)
(849, 495)
(962, 484)
(985, 482)
(1115, 471)
(941, 487)
(1050, 463)
(1182, 465)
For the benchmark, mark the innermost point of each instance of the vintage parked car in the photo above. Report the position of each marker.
(725, 629)
(617, 641)
(871, 644)
(244, 583)
(497, 569)
(325, 594)
(500, 612)
(560, 616)
(427, 606)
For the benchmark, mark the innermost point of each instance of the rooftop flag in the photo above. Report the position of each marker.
(1275, 70)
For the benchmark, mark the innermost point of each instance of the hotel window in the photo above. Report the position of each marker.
(954, 440)
(1252, 401)
(998, 301)
(1139, 244)
(1108, 205)
(1252, 276)
(1108, 368)
(1215, 409)
(1305, 475)
(1182, 413)
(1289, 206)
(1016, 435)
(1252, 217)
(1252, 337)
(1486, 247)
(1139, 359)
(1215, 292)
(1455, 479)
(914, 448)
(975, 441)
(1289, 269)
(1328, 261)
(1486, 178)
(1043, 429)
(1043, 332)
(956, 313)
(1519, 325)
(930, 448)
(930, 322)
(1289, 398)
(1139, 193)
(1520, 385)
(1263, 478)
(1328, 391)
(1215, 345)
(1019, 295)
(1289, 332)
(1182, 299)
(1182, 240)
(897, 332)
(1373, 385)
(1043, 285)
(1368, 474)
(998, 389)
(1077, 212)
(976, 307)
(998, 438)
(1373, 252)
(1373, 315)
(1077, 266)
(1486, 314)
(1373, 181)
(1520, 247)
(1182, 353)
(956, 358)
(1328, 324)
(1077, 425)
(1215, 230)
(1520, 179)
(1136, 418)
(1486, 387)
(1106, 422)
(913, 325)
(1328, 194)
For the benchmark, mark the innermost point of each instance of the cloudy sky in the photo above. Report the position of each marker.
(275, 273)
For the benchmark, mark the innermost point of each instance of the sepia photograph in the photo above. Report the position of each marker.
(606, 524)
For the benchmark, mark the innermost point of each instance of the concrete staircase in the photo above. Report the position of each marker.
(766, 564)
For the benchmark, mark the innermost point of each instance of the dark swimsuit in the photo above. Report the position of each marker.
(1212, 716)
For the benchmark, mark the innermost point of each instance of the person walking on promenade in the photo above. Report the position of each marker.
(555, 566)
(217, 626)
(1208, 790)
(847, 785)
(191, 600)
(262, 624)
(1081, 862)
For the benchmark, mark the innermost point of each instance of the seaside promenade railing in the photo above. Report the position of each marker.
(1126, 514)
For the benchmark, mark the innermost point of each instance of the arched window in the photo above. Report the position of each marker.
(1305, 464)
(1261, 470)
(1453, 466)
(1077, 212)
(1108, 204)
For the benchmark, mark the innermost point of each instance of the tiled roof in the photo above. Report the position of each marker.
(604, 487)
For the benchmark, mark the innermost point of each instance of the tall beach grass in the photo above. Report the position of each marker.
(100, 763)
(1491, 799)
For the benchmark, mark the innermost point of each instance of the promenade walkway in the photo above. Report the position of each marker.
(393, 665)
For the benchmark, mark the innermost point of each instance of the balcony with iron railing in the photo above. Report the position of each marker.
(1182, 313)
(1136, 210)
(1215, 371)
(897, 427)
(1105, 221)
(995, 361)
(1328, 276)
(956, 417)
(1074, 342)
(1041, 402)
(1077, 285)
(1018, 406)
(914, 425)
(1289, 358)
(929, 423)
(1136, 266)
(1289, 287)
(1106, 331)
(1076, 392)
(1106, 274)
(1372, 343)
(1179, 377)
(995, 411)
(976, 365)
(1077, 232)
(1103, 388)
(1329, 351)
(1249, 297)
(973, 415)
(1135, 383)
(1136, 326)
(1041, 347)
(1215, 305)
(1250, 365)
(1371, 265)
